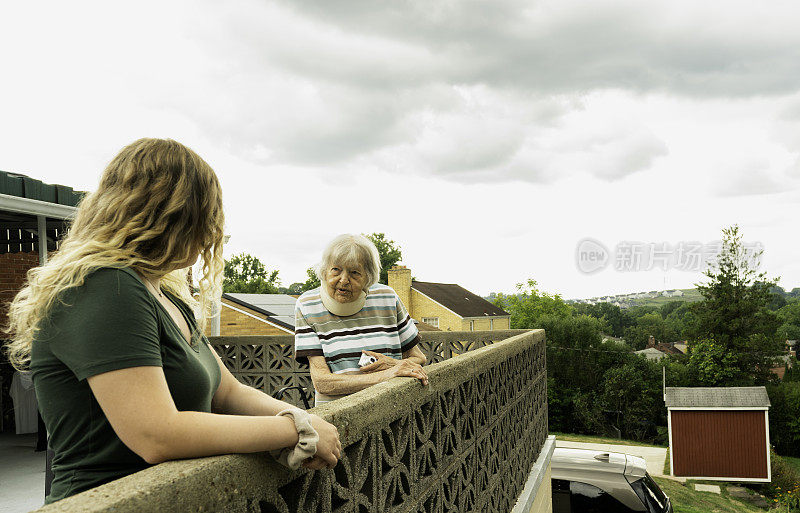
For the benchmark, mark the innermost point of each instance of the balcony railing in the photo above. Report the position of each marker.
(466, 442)
(267, 362)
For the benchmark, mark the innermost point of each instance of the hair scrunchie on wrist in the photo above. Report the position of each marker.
(307, 439)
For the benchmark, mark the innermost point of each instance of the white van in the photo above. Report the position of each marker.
(587, 481)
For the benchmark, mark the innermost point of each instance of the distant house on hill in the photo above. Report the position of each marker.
(785, 361)
(257, 314)
(446, 306)
(672, 293)
(665, 347)
(651, 353)
(657, 351)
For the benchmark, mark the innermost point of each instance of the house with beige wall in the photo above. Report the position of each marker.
(446, 306)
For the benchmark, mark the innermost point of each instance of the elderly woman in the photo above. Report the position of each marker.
(351, 315)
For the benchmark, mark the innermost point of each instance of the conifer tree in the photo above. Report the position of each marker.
(734, 315)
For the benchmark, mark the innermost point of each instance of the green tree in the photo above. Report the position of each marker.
(734, 313)
(311, 282)
(389, 252)
(576, 361)
(529, 305)
(295, 288)
(648, 324)
(713, 365)
(784, 417)
(632, 397)
(245, 273)
(668, 308)
(681, 320)
(776, 302)
(789, 316)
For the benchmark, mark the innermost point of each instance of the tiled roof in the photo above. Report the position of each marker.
(716, 397)
(458, 299)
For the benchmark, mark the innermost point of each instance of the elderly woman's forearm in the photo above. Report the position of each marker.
(347, 383)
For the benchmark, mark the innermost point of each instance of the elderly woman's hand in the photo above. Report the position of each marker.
(382, 362)
(405, 368)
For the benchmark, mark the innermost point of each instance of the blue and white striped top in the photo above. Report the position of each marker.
(382, 326)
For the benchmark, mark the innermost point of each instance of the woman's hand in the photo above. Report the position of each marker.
(329, 448)
(406, 368)
(381, 363)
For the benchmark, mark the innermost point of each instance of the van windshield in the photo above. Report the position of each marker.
(650, 494)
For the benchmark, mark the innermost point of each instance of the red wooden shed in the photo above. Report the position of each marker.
(719, 433)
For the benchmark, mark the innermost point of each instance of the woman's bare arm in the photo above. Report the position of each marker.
(141, 411)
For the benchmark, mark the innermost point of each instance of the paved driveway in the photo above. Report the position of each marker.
(654, 457)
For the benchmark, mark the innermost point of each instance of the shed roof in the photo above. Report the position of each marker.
(716, 397)
(458, 299)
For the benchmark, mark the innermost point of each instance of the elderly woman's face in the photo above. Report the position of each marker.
(344, 283)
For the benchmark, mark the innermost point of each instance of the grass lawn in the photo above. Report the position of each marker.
(686, 500)
(667, 467)
(795, 462)
(600, 440)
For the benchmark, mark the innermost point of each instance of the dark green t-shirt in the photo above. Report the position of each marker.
(110, 322)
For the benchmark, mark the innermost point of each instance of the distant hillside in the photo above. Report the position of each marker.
(691, 295)
(651, 298)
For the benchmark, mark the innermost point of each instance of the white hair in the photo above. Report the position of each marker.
(350, 250)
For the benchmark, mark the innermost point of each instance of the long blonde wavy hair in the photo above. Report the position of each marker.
(157, 207)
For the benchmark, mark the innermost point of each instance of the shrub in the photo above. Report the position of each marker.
(784, 490)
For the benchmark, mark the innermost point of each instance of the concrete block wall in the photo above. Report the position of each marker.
(396, 428)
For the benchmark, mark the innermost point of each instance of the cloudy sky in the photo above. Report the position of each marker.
(488, 138)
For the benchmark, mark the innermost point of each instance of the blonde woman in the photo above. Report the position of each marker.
(124, 377)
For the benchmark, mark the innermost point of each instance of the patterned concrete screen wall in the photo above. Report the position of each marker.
(464, 443)
(267, 362)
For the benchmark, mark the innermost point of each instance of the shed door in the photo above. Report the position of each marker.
(719, 443)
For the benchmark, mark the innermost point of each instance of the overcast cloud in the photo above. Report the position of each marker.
(492, 136)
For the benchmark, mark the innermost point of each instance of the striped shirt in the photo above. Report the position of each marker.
(382, 326)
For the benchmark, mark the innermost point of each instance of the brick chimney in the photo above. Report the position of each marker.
(651, 342)
(400, 281)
